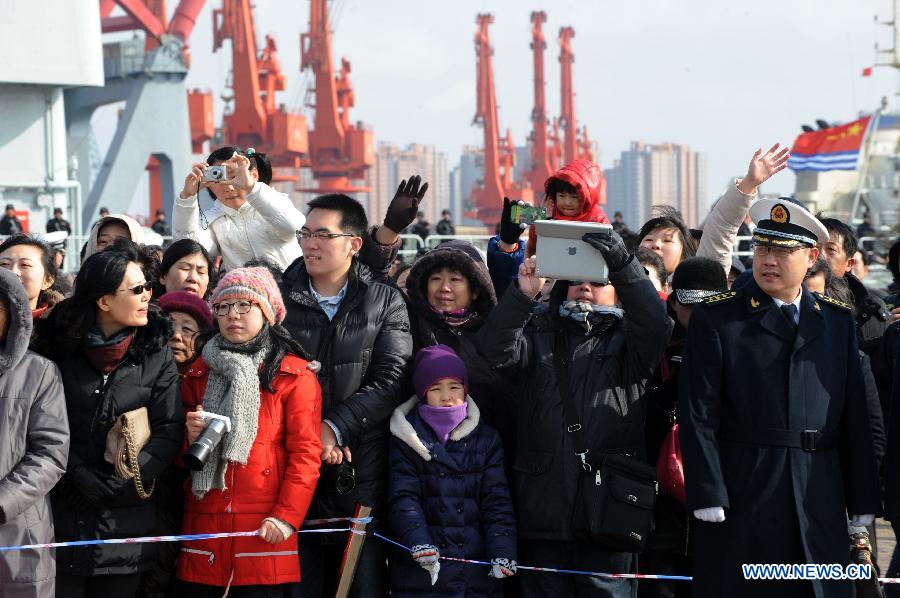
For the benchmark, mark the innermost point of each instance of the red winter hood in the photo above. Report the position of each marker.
(587, 178)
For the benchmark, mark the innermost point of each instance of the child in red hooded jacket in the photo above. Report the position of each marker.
(574, 192)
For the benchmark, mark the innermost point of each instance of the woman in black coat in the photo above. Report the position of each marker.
(110, 346)
(450, 296)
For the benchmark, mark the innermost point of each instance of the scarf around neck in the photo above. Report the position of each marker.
(456, 317)
(105, 354)
(232, 389)
(443, 420)
(591, 317)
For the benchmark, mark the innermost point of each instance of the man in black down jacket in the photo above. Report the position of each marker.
(610, 359)
(358, 329)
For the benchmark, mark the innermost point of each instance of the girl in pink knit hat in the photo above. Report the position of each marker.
(263, 472)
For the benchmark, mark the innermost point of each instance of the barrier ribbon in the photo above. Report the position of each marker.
(312, 522)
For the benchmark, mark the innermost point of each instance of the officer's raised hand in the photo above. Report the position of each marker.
(611, 247)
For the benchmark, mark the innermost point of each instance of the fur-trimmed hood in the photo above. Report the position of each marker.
(137, 233)
(457, 255)
(18, 333)
(403, 429)
(47, 301)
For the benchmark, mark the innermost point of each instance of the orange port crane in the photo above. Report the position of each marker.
(255, 120)
(497, 182)
(339, 151)
(567, 100)
(576, 143)
(585, 146)
(540, 169)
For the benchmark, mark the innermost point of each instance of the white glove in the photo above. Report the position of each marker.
(427, 557)
(710, 515)
(862, 520)
(502, 568)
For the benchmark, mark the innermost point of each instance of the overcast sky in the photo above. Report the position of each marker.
(722, 77)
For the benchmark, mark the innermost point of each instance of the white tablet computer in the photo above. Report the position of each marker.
(561, 254)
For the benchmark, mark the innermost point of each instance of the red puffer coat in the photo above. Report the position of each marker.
(277, 481)
(587, 178)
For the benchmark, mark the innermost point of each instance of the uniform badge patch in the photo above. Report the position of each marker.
(834, 302)
(720, 297)
(780, 214)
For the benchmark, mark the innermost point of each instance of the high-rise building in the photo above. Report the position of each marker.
(455, 193)
(471, 173)
(394, 164)
(648, 175)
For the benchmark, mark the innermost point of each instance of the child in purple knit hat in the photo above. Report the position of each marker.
(448, 490)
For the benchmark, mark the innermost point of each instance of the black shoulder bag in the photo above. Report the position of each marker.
(616, 493)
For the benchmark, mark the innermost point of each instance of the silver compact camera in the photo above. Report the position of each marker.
(215, 174)
(200, 450)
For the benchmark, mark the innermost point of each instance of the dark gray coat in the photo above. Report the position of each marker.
(33, 452)
(608, 372)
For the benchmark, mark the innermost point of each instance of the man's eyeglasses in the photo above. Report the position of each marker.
(779, 252)
(240, 307)
(144, 287)
(320, 235)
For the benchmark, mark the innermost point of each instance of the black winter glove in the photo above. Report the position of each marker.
(405, 205)
(611, 247)
(509, 231)
(97, 487)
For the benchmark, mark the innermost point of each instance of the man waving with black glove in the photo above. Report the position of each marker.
(605, 339)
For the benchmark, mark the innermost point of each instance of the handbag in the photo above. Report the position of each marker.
(670, 468)
(616, 493)
(124, 442)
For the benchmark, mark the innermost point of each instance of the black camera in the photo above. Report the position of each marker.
(200, 449)
(346, 478)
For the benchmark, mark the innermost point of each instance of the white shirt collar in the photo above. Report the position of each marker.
(795, 302)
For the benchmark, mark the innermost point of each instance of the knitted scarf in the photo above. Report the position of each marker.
(233, 389)
(597, 318)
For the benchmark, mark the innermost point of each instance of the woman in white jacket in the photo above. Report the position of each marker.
(249, 221)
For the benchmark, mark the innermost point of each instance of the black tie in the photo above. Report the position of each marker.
(790, 312)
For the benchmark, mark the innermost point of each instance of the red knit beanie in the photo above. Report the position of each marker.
(190, 304)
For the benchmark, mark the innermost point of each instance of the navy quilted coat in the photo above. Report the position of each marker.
(452, 496)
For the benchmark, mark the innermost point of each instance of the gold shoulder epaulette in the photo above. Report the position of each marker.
(720, 297)
(833, 301)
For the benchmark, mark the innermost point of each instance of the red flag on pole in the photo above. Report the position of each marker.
(867, 72)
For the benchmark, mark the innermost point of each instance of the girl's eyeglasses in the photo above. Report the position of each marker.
(240, 307)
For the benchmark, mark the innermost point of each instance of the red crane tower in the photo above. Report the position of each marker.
(339, 151)
(567, 101)
(255, 120)
(541, 168)
(585, 149)
(555, 149)
(497, 182)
